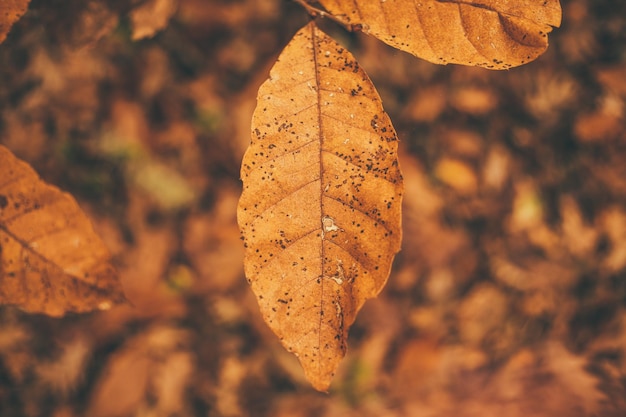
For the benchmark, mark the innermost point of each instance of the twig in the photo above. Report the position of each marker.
(315, 12)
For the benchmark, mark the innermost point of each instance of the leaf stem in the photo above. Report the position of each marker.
(315, 12)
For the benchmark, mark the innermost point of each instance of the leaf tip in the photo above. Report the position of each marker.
(320, 374)
(118, 298)
(321, 384)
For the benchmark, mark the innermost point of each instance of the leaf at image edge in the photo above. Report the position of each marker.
(51, 259)
(10, 12)
(492, 34)
(320, 212)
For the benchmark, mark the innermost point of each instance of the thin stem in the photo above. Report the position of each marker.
(315, 12)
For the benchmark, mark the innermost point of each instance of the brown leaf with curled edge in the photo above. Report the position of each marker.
(320, 208)
(10, 12)
(494, 34)
(51, 260)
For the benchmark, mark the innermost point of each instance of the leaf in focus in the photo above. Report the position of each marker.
(10, 12)
(51, 260)
(492, 34)
(320, 208)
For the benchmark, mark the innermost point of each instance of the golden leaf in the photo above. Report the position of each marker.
(51, 260)
(320, 209)
(494, 34)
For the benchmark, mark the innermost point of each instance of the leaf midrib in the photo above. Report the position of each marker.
(318, 85)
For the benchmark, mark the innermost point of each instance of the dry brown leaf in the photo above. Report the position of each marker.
(10, 12)
(612, 78)
(482, 311)
(92, 23)
(144, 366)
(571, 372)
(486, 33)
(320, 209)
(457, 174)
(51, 260)
(65, 372)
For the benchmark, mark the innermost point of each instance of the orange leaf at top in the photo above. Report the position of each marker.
(51, 260)
(320, 208)
(10, 12)
(494, 34)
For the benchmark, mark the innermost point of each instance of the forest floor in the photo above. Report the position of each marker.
(508, 297)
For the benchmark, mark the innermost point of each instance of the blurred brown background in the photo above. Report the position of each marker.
(508, 298)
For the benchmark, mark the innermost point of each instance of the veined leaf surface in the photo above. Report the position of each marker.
(320, 208)
(51, 259)
(495, 34)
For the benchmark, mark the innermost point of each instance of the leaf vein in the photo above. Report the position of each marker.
(286, 89)
(282, 198)
(351, 255)
(293, 242)
(289, 152)
(359, 210)
(348, 124)
(356, 165)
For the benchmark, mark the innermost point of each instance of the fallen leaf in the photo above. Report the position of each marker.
(612, 79)
(496, 167)
(171, 380)
(151, 17)
(528, 207)
(598, 127)
(233, 372)
(427, 104)
(547, 93)
(126, 378)
(150, 362)
(571, 372)
(474, 100)
(320, 209)
(462, 142)
(482, 312)
(213, 245)
(613, 224)
(457, 174)
(65, 372)
(10, 13)
(92, 23)
(579, 238)
(485, 33)
(51, 260)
